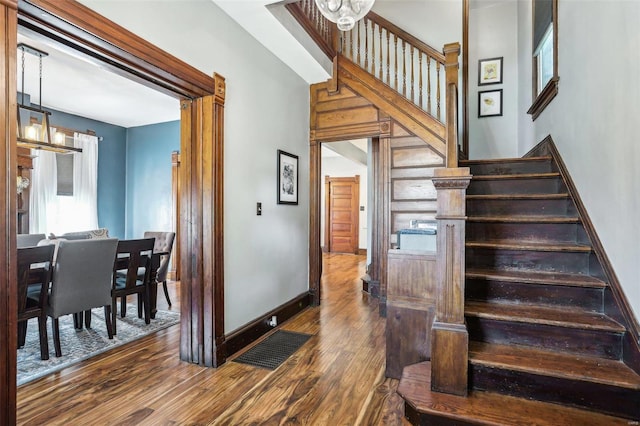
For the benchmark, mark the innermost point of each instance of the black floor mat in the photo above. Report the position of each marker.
(273, 350)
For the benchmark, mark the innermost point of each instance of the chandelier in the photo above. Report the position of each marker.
(344, 13)
(30, 135)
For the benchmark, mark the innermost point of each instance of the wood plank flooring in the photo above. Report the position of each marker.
(336, 378)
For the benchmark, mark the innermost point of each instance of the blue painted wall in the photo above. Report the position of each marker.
(112, 152)
(148, 173)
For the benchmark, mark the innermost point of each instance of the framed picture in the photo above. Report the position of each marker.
(287, 178)
(489, 71)
(490, 103)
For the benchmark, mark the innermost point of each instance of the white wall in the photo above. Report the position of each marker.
(593, 120)
(266, 257)
(343, 167)
(493, 33)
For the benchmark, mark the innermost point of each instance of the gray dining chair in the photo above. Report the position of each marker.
(81, 281)
(163, 244)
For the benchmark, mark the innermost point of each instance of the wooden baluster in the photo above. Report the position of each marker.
(380, 51)
(395, 61)
(366, 45)
(429, 84)
(404, 69)
(358, 54)
(420, 78)
(438, 88)
(413, 96)
(388, 80)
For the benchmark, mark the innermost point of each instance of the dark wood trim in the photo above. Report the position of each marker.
(174, 268)
(621, 309)
(8, 212)
(315, 252)
(544, 98)
(75, 27)
(465, 78)
(255, 329)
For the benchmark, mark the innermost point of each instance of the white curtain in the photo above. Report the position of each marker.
(57, 214)
(42, 192)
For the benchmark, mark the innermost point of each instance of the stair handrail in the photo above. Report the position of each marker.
(323, 32)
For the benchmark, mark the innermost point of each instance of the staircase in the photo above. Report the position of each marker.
(535, 301)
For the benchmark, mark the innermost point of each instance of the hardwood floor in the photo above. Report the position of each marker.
(336, 378)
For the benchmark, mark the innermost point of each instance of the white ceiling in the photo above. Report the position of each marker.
(76, 86)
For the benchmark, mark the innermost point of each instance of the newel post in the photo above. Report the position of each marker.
(449, 337)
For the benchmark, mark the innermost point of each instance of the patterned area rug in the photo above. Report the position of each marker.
(78, 345)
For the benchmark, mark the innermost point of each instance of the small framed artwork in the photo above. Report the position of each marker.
(489, 71)
(287, 178)
(490, 103)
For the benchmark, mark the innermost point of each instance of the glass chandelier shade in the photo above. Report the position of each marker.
(344, 13)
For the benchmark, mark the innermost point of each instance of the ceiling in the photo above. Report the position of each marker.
(75, 86)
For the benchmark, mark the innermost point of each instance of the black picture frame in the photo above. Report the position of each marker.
(490, 103)
(287, 178)
(490, 71)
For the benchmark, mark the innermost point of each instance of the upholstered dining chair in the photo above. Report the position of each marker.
(133, 257)
(164, 244)
(34, 270)
(81, 281)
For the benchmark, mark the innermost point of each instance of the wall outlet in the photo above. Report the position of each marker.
(259, 209)
(273, 321)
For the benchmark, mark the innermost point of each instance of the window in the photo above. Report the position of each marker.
(545, 54)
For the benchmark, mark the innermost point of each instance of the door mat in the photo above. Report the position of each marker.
(273, 350)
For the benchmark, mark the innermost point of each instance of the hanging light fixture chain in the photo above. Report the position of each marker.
(40, 91)
(22, 91)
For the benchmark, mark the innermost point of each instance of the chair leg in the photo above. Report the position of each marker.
(77, 320)
(166, 292)
(114, 305)
(147, 306)
(56, 337)
(123, 306)
(139, 305)
(107, 319)
(44, 339)
(87, 318)
(22, 333)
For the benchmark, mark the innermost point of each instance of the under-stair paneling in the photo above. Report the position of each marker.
(413, 195)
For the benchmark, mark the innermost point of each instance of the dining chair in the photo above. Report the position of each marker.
(132, 257)
(81, 281)
(163, 244)
(34, 272)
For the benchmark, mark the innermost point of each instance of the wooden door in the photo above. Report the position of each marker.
(342, 198)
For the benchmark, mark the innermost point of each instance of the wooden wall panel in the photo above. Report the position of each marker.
(411, 302)
(412, 189)
(347, 117)
(415, 156)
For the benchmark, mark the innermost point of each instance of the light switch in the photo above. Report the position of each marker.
(361, 208)
(259, 209)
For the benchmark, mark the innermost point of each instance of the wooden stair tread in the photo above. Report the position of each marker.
(537, 277)
(529, 246)
(541, 196)
(487, 408)
(546, 315)
(464, 163)
(512, 176)
(555, 364)
(524, 219)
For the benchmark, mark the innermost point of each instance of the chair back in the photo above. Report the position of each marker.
(82, 275)
(29, 240)
(34, 267)
(164, 243)
(133, 256)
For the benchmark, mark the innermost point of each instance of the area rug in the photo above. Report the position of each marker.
(273, 350)
(78, 345)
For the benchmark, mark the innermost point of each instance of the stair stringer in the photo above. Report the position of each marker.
(406, 113)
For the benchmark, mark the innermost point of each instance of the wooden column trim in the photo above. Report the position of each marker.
(8, 207)
(315, 251)
(449, 336)
(174, 268)
(451, 52)
(202, 339)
